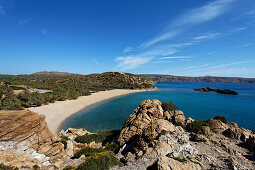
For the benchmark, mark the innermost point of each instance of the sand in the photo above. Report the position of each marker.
(59, 111)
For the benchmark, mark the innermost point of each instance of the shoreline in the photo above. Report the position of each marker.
(56, 113)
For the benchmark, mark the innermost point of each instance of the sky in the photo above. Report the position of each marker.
(174, 37)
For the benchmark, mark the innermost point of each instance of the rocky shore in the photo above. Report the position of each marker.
(153, 137)
(209, 89)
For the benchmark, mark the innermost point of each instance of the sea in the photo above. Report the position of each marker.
(112, 113)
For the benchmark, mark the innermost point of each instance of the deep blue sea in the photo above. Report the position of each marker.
(112, 113)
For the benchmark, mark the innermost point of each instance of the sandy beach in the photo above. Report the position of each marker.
(57, 112)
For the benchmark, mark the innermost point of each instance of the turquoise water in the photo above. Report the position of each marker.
(111, 114)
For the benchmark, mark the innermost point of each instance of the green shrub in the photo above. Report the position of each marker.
(64, 140)
(100, 161)
(104, 137)
(88, 151)
(196, 125)
(221, 118)
(169, 106)
(4, 167)
(179, 159)
(69, 167)
(112, 147)
(36, 167)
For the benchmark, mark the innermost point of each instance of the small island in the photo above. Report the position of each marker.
(224, 91)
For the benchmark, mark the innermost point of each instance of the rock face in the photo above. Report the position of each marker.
(224, 91)
(26, 132)
(146, 123)
(152, 138)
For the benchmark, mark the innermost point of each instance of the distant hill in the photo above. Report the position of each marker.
(61, 86)
(171, 78)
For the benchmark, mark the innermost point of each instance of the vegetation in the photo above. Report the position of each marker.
(60, 86)
(221, 118)
(100, 161)
(169, 106)
(104, 136)
(69, 167)
(88, 151)
(4, 167)
(64, 140)
(196, 125)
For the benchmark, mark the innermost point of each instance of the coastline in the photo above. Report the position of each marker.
(56, 113)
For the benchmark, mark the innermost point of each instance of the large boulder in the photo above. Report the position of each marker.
(166, 163)
(178, 117)
(217, 126)
(146, 121)
(27, 132)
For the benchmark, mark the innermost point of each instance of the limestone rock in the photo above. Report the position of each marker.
(216, 125)
(178, 117)
(165, 163)
(27, 132)
(146, 120)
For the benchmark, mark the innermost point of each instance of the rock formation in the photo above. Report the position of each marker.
(151, 138)
(208, 89)
(24, 136)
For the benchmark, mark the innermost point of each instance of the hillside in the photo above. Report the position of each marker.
(171, 78)
(19, 91)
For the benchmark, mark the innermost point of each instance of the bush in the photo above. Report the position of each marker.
(69, 167)
(169, 106)
(64, 141)
(88, 151)
(104, 137)
(4, 167)
(112, 147)
(196, 125)
(221, 118)
(100, 161)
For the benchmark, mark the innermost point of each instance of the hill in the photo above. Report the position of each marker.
(19, 91)
(172, 78)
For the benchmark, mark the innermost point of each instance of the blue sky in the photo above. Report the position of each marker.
(177, 37)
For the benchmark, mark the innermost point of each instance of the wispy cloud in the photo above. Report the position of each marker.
(196, 16)
(128, 49)
(175, 57)
(244, 45)
(195, 67)
(2, 11)
(44, 31)
(205, 13)
(207, 36)
(154, 54)
(131, 62)
(24, 21)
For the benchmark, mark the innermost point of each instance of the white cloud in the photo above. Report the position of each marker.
(44, 31)
(128, 49)
(193, 67)
(24, 21)
(175, 57)
(131, 62)
(191, 17)
(2, 11)
(245, 45)
(164, 36)
(205, 13)
(207, 36)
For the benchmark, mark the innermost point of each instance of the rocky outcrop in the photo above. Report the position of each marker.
(152, 138)
(209, 89)
(27, 133)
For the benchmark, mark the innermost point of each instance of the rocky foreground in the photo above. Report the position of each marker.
(153, 137)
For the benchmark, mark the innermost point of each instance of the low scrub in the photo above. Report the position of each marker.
(221, 118)
(105, 136)
(169, 106)
(88, 151)
(100, 161)
(196, 125)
